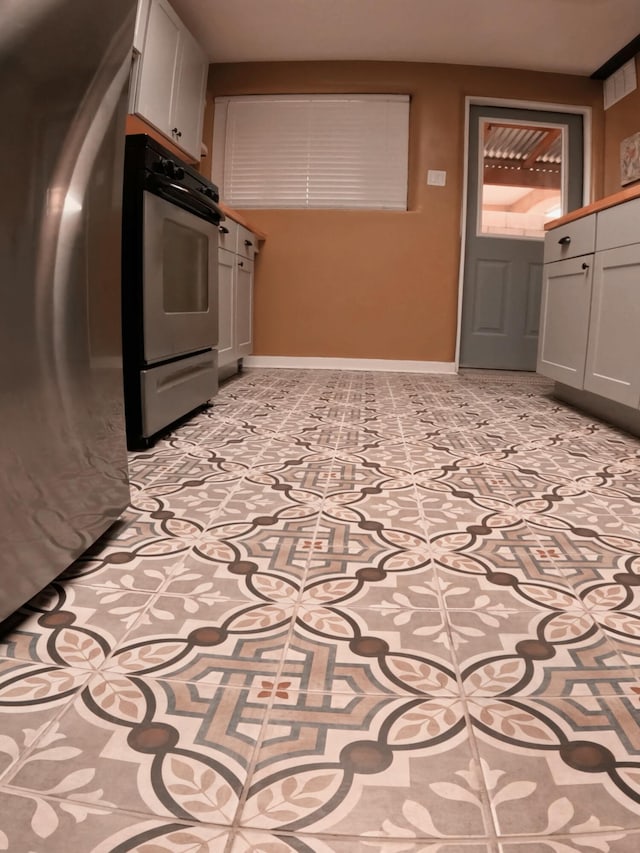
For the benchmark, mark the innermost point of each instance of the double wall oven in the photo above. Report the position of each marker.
(169, 289)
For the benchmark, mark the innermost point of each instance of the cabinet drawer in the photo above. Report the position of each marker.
(618, 226)
(247, 243)
(228, 234)
(172, 390)
(571, 240)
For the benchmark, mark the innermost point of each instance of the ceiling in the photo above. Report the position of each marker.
(568, 36)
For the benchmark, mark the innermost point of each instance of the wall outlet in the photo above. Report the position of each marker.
(436, 178)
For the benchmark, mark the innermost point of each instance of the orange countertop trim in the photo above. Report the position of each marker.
(602, 204)
(240, 219)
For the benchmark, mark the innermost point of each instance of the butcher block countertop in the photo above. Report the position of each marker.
(241, 220)
(602, 204)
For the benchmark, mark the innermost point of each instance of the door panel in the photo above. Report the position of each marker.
(534, 293)
(490, 298)
(518, 179)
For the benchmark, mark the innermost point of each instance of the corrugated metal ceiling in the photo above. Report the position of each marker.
(506, 142)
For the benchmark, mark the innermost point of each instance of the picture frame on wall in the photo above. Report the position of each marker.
(630, 159)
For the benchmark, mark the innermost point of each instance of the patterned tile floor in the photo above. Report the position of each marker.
(345, 613)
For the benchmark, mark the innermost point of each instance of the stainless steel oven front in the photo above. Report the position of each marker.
(180, 281)
(169, 290)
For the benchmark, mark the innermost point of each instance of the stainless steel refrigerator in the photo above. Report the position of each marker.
(64, 67)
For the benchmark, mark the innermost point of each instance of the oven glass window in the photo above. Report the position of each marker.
(185, 269)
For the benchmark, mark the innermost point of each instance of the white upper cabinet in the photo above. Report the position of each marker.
(173, 75)
(189, 99)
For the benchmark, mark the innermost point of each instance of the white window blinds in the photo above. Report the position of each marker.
(317, 151)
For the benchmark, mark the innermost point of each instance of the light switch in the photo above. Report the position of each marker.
(436, 178)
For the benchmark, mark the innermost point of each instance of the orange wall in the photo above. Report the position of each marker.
(620, 121)
(378, 284)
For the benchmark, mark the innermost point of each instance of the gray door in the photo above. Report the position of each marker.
(525, 168)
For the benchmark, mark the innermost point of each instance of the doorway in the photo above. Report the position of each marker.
(525, 168)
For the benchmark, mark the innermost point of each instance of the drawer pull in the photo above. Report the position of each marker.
(585, 265)
(222, 229)
(248, 243)
(240, 263)
(564, 241)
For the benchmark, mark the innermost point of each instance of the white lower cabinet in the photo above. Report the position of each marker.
(590, 316)
(226, 307)
(564, 320)
(244, 306)
(235, 294)
(613, 356)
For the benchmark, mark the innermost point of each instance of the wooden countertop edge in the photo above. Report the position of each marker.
(602, 204)
(239, 218)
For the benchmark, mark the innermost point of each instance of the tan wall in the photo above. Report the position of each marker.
(380, 284)
(620, 121)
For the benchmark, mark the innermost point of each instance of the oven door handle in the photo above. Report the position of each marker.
(199, 198)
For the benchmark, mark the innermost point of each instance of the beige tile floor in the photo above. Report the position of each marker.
(345, 613)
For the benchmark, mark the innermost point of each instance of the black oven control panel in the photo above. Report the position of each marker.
(150, 166)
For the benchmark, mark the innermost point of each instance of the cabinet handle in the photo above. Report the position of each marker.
(240, 263)
(585, 265)
(176, 132)
(248, 243)
(222, 229)
(564, 241)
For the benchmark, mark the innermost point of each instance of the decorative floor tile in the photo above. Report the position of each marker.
(611, 841)
(261, 494)
(153, 747)
(31, 696)
(464, 589)
(362, 765)
(345, 612)
(576, 761)
(207, 639)
(393, 584)
(342, 649)
(123, 570)
(622, 627)
(150, 534)
(255, 841)
(559, 653)
(41, 824)
(72, 625)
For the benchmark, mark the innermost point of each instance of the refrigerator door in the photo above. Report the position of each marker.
(64, 66)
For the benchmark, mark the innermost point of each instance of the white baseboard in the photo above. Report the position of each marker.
(378, 364)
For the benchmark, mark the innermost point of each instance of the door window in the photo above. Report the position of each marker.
(521, 178)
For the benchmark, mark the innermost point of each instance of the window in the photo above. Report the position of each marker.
(312, 151)
(521, 178)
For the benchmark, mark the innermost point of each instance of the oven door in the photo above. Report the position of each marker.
(180, 281)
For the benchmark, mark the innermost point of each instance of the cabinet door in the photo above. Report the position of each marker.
(189, 97)
(244, 306)
(140, 32)
(160, 66)
(613, 357)
(226, 307)
(564, 320)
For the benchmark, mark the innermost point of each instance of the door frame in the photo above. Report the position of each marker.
(509, 103)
